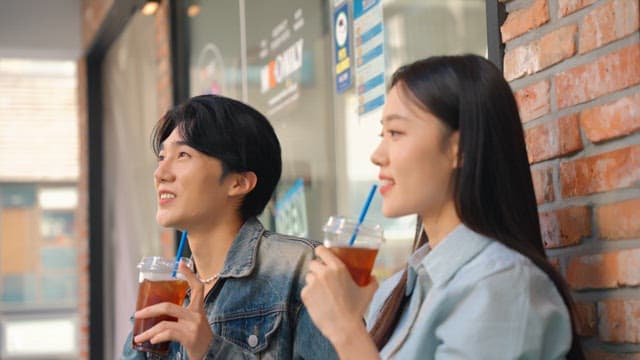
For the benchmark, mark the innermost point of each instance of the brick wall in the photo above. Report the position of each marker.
(574, 66)
(94, 13)
(82, 215)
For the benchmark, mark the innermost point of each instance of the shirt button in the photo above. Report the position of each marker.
(252, 340)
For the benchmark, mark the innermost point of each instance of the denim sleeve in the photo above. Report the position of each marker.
(128, 353)
(219, 349)
(309, 343)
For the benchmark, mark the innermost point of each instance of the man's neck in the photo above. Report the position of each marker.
(210, 244)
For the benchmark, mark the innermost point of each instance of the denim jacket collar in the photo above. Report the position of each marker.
(241, 258)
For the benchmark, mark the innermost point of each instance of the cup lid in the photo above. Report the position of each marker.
(342, 224)
(159, 263)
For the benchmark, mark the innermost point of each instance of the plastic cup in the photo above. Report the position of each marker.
(157, 285)
(361, 255)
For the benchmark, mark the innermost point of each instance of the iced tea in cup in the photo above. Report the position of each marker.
(359, 256)
(156, 285)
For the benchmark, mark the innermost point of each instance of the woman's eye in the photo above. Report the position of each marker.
(393, 133)
(183, 154)
(160, 157)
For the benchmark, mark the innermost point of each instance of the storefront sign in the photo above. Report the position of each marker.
(369, 49)
(342, 48)
(282, 64)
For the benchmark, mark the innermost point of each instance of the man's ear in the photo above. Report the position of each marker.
(243, 183)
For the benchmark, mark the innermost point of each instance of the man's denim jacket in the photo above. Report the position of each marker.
(257, 313)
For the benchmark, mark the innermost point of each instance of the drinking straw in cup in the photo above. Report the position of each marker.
(183, 239)
(356, 243)
(363, 213)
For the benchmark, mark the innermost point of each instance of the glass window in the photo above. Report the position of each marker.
(38, 203)
(413, 29)
(280, 60)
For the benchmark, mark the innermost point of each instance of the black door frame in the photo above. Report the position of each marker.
(113, 25)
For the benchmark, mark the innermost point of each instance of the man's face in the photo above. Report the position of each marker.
(190, 189)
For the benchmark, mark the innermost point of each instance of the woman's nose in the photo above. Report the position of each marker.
(378, 156)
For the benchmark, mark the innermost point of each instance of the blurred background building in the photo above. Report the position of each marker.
(82, 82)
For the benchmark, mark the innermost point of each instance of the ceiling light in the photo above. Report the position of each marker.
(150, 7)
(193, 10)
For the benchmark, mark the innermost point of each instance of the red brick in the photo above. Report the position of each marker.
(587, 319)
(533, 101)
(612, 120)
(566, 7)
(611, 72)
(619, 220)
(540, 54)
(565, 227)
(557, 45)
(523, 20)
(612, 21)
(604, 271)
(599, 354)
(553, 139)
(543, 184)
(612, 170)
(619, 321)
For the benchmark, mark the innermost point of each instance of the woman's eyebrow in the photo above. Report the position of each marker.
(392, 117)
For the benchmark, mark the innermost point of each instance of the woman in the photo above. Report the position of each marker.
(477, 284)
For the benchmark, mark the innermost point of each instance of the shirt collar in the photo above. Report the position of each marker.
(456, 249)
(414, 267)
(241, 258)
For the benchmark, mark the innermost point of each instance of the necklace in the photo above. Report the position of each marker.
(207, 280)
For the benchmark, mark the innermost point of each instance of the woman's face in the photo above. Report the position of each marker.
(189, 185)
(416, 156)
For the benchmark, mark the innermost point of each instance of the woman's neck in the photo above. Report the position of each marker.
(439, 224)
(210, 244)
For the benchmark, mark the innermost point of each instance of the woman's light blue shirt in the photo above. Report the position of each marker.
(474, 298)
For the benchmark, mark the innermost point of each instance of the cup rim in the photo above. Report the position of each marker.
(157, 263)
(338, 225)
(351, 222)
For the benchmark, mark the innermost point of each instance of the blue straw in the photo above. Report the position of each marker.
(363, 213)
(179, 253)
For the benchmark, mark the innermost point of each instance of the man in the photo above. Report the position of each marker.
(218, 165)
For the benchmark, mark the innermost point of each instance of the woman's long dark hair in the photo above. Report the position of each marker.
(493, 190)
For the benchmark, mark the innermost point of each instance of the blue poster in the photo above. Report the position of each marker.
(342, 56)
(369, 54)
(291, 211)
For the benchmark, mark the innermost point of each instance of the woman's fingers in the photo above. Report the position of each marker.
(328, 257)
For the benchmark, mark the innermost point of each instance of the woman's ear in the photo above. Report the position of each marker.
(243, 183)
(454, 145)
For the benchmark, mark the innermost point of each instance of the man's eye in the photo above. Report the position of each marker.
(160, 157)
(184, 154)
